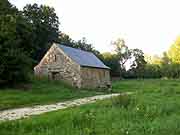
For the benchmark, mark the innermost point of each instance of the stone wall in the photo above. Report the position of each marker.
(95, 77)
(58, 66)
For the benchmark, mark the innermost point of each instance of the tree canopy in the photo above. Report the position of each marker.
(25, 36)
(45, 28)
(15, 63)
(174, 51)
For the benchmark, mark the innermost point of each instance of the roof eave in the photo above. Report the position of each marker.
(95, 67)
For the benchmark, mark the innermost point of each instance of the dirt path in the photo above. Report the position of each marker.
(14, 114)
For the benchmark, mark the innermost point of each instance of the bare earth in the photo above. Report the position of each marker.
(14, 114)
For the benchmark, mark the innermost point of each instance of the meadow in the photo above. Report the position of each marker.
(41, 92)
(152, 109)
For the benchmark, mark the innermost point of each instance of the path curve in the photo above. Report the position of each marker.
(14, 114)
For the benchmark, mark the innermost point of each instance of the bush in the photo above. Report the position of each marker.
(121, 101)
(15, 67)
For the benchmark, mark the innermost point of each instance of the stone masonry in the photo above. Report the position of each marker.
(57, 65)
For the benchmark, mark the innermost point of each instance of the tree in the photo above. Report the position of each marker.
(112, 61)
(123, 53)
(139, 62)
(165, 59)
(7, 8)
(45, 26)
(155, 59)
(173, 52)
(15, 63)
(65, 40)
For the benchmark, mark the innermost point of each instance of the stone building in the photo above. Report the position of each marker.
(79, 68)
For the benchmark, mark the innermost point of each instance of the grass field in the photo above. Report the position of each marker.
(41, 92)
(153, 109)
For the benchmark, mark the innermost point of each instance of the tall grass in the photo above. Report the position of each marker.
(152, 110)
(41, 91)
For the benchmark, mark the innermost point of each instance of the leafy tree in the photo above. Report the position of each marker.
(152, 71)
(15, 63)
(139, 62)
(7, 8)
(165, 59)
(132, 58)
(45, 26)
(82, 44)
(173, 52)
(112, 61)
(65, 40)
(155, 59)
(123, 53)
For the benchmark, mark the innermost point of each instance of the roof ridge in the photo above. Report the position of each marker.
(76, 48)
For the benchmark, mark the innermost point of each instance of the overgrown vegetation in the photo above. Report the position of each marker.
(153, 109)
(40, 92)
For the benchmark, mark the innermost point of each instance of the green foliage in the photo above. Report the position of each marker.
(15, 62)
(154, 111)
(6, 8)
(121, 101)
(124, 57)
(40, 92)
(170, 71)
(86, 123)
(111, 60)
(154, 60)
(173, 52)
(25, 36)
(66, 40)
(137, 68)
(166, 66)
(152, 71)
(123, 53)
(165, 59)
(45, 28)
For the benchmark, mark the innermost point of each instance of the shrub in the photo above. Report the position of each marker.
(121, 101)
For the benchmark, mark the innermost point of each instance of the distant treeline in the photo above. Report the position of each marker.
(141, 65)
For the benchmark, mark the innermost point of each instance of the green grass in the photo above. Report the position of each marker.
(153, 109)
(41, 92)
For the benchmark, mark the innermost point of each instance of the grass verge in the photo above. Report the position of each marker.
(41, 92)
(152, 110)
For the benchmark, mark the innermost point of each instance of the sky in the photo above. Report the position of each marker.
(150, 25)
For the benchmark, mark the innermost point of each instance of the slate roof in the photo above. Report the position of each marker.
(83, 58)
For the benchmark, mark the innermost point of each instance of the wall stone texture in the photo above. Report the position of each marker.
(95, 78)
(56, 65)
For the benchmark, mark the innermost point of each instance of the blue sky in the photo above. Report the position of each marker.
(150, 25)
